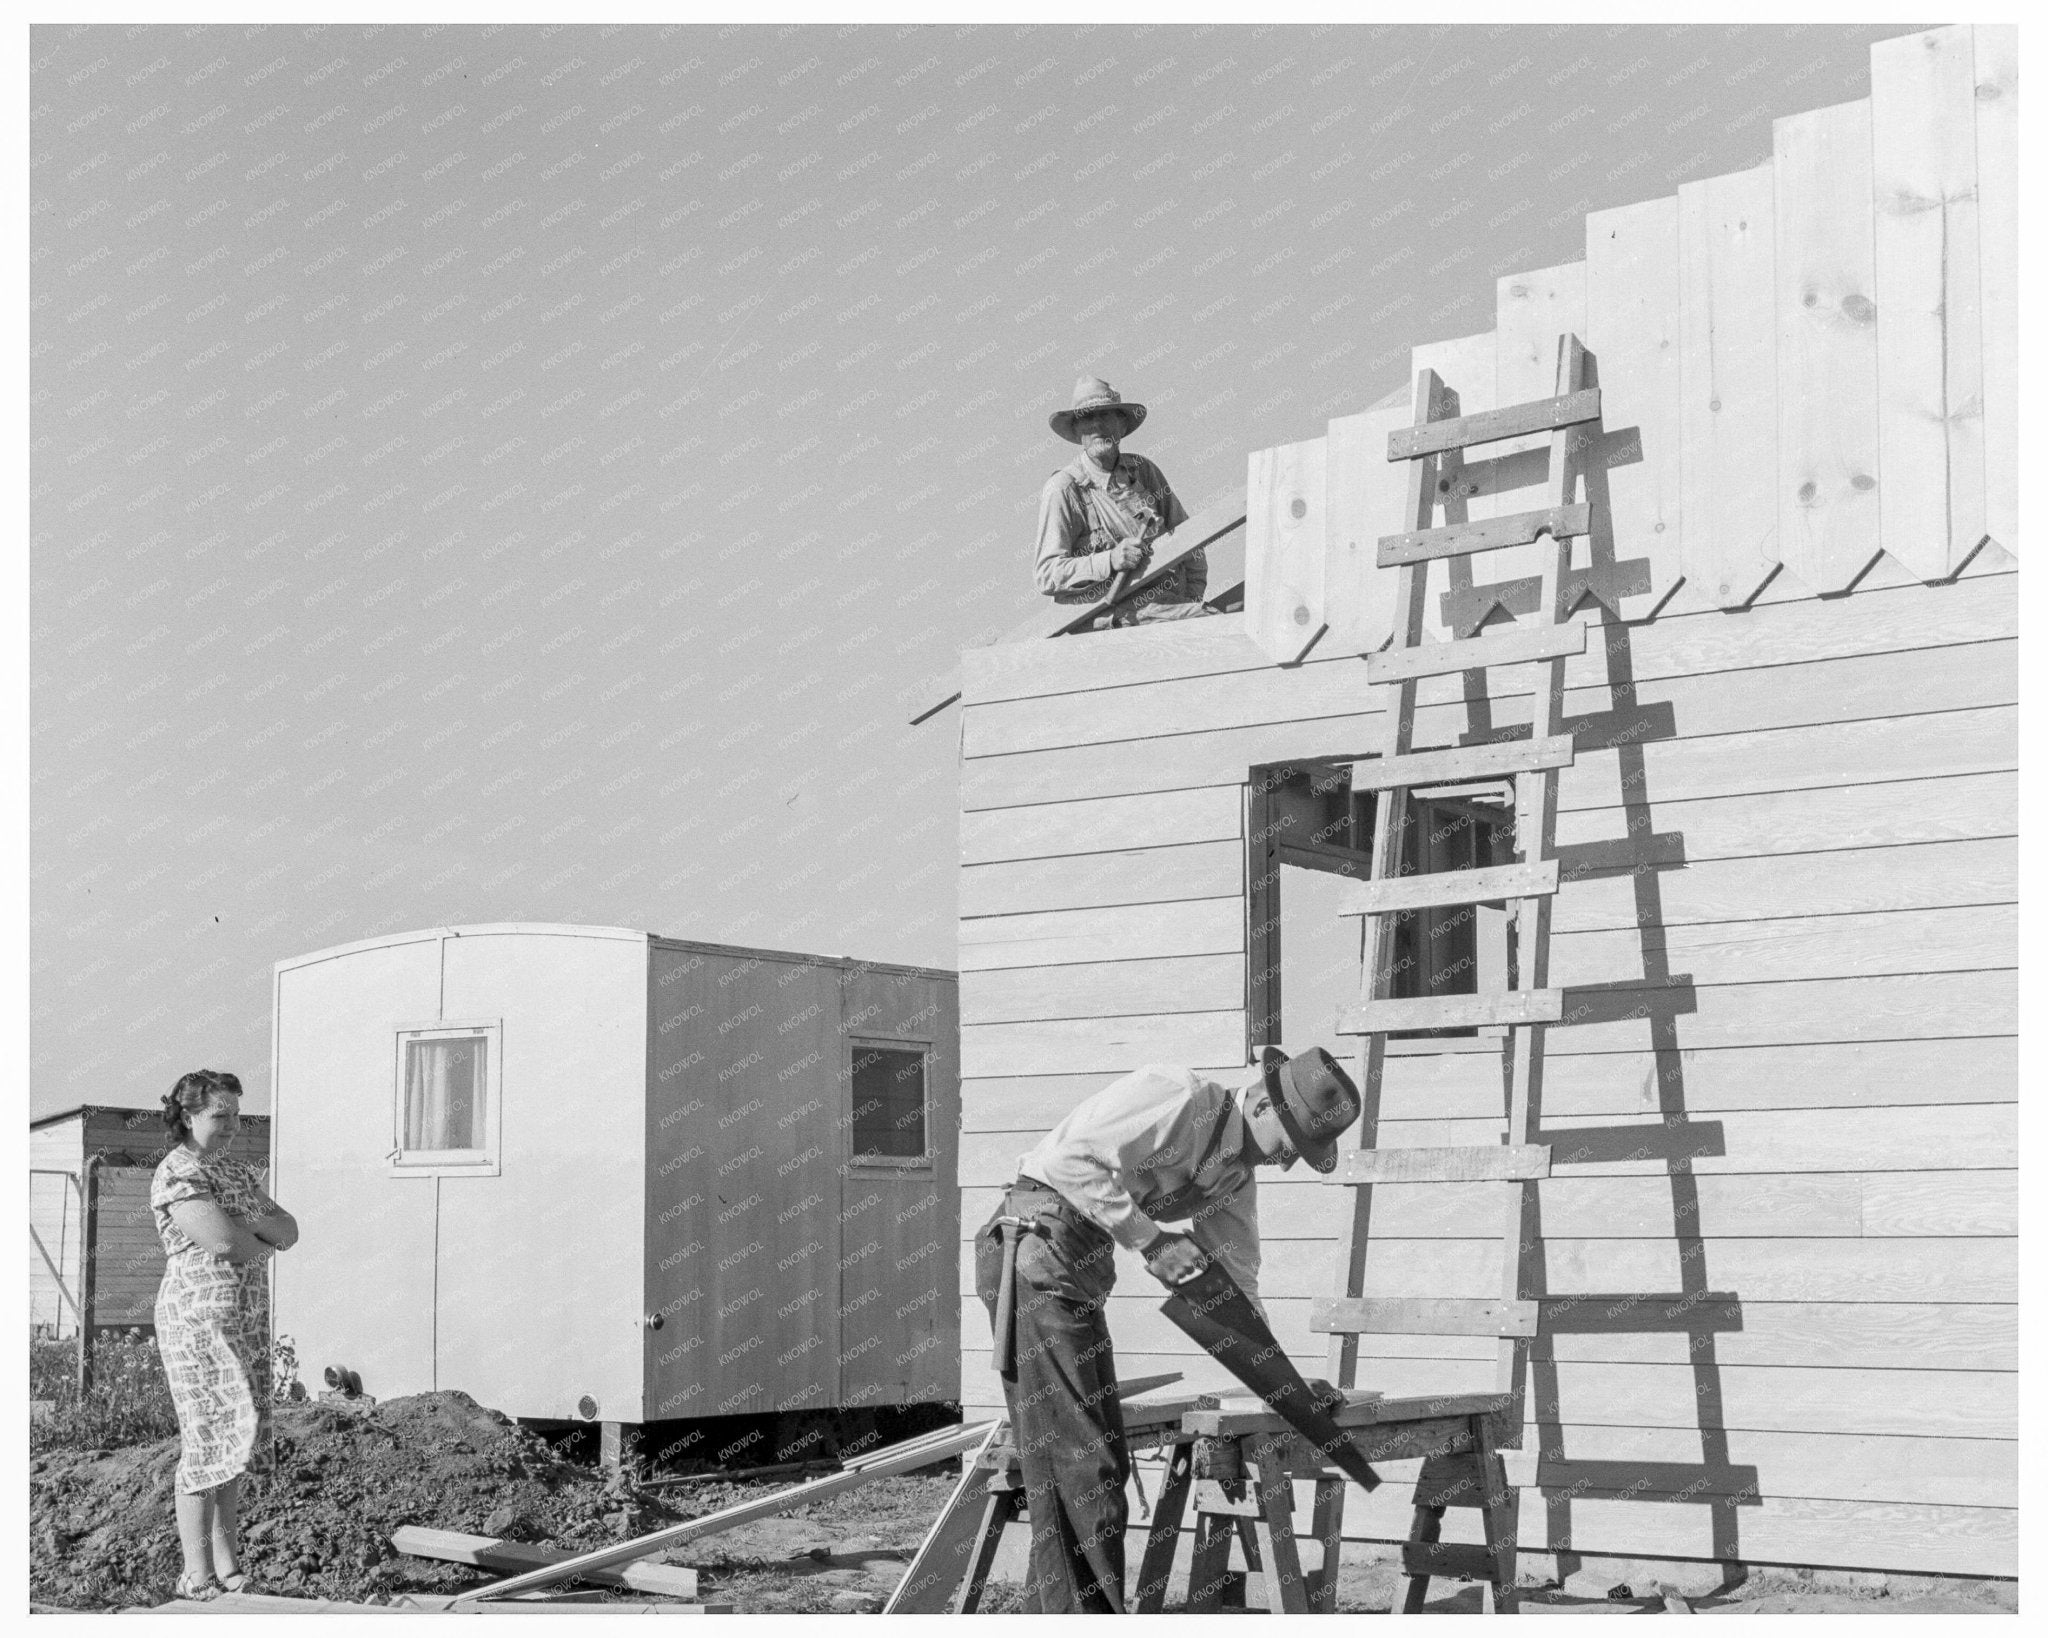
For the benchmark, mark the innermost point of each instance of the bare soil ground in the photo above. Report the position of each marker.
(102, 1534)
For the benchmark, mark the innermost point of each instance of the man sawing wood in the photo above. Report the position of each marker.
(1161, 1145)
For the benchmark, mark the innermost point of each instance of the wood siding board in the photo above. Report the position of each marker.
(1102, 989)
(1107, 1046)
(1882, 814)
(1996, 47)
(1285, 527)
(1128, 656)
(1835, 689)
(1048, 829)
(1877, 620)
(1823, 883)
(1123, 876)
(1828, 471)
(1930, 360)
(1857, 945)
(1852, 1139)
(1034, 1104)
(1794, 757)
(1729, 379)
(1632, 468)
(1874, 1336)
(1073, 937)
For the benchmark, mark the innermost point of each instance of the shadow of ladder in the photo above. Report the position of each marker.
(1467, 1469)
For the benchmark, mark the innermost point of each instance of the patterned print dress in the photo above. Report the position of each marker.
(213, 1324)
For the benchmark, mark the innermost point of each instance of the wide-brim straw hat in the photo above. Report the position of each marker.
(1091, 392)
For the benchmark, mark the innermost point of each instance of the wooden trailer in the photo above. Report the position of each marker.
(1775, 1134)
(592, 1173)
(93, 1244)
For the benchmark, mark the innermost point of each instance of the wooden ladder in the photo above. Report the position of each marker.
(1472, 1474)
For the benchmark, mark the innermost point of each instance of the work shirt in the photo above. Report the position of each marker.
(1083, 512)
(1159, 1144)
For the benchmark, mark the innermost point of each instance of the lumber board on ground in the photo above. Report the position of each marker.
(1996, 47)
(1125, 876)
(1728, 345)
(1116, 933)
(1828, 463)
(1101, 989)
(1286, 516)
(1930, 341)
(1153, 819)
(487, 1552)
(903, 1458)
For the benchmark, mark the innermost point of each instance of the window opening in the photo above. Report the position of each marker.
(888, 1118)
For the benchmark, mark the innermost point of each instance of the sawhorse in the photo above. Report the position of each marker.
(950, 1572)
(1454, 1435)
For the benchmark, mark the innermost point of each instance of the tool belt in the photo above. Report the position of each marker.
(1028, 1197)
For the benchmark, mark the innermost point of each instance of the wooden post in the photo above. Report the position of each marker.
(619, 1447)
(88, 1265)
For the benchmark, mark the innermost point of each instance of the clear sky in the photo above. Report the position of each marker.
(531, 474)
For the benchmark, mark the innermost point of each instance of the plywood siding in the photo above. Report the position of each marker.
(1787, 930)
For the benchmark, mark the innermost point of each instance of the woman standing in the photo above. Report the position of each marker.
(212, 1325)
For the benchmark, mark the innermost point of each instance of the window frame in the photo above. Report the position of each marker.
(484, 1162)
(926, 1161)
(1281, 827)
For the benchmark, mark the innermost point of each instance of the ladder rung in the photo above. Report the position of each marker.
(1443, 887)
(1423, 1316)
(1538, 415)
(1468, 1163)
(1454, 1012)
(1457, 1558)
(1484, 535)
(1463, 762)
(1509, 645)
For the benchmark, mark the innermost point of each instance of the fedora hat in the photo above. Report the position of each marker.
(1313, 1099)
(1091, 392)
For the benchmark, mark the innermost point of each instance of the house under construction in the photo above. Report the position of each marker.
(1690, 1120)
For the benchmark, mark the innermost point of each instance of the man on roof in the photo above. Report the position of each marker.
(1162, 1145)
(1100, 513)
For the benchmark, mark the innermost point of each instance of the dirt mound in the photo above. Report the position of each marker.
(103, 1535)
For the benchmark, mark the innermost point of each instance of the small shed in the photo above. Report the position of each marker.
(593, 1173)
(126, 1258)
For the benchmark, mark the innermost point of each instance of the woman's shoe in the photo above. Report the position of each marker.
(199, 1588)
(238, 1581)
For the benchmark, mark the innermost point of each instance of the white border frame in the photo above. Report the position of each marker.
(487, 1162)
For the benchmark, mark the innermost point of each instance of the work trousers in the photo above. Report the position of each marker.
(1064, 1413)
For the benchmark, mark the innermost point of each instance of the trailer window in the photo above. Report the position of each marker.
(888, 1102)
(447, 1099)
